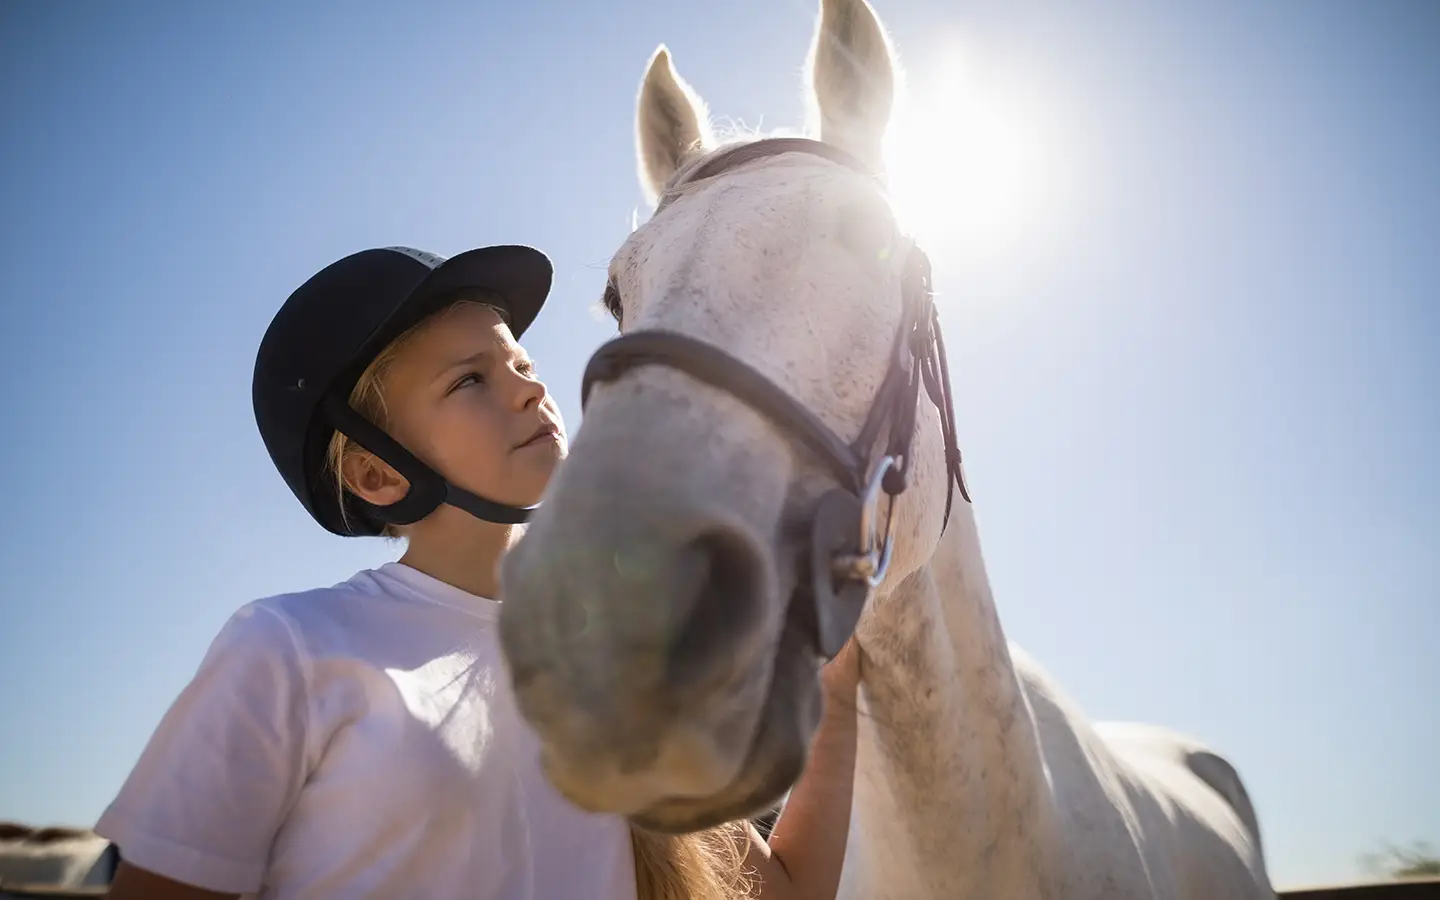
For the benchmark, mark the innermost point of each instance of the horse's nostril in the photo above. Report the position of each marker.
(723, 605)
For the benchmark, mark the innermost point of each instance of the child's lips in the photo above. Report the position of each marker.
(546, 432)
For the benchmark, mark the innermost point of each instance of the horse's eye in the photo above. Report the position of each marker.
(612, 301)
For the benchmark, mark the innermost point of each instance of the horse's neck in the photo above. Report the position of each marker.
(950, 781)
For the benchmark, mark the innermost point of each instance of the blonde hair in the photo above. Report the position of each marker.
(368, 399)
(705, 865)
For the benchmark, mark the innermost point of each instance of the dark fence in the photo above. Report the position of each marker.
(1412, 889)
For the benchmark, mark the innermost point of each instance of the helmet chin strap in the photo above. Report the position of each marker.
(428, 490)
(480, 508)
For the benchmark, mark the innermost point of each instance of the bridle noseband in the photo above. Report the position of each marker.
(848, 556)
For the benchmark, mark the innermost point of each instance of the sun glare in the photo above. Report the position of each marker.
(967, 166)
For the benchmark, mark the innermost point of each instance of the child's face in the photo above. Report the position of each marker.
(464, 397)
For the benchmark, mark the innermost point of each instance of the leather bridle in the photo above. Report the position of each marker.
(848, 555)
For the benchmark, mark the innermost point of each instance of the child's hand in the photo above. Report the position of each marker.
(841, 675)
(807, 848)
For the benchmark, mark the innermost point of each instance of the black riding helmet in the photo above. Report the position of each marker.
(332, 328)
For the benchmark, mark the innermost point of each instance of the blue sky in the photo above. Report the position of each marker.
(1195, 384)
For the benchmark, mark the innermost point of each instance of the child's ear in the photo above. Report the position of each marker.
(373, 480)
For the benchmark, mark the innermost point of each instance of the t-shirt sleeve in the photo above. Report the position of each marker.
(212, 787)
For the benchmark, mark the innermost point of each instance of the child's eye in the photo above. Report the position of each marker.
(526, 368)
(466, 380)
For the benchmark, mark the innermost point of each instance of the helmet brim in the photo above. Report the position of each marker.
(519, 276)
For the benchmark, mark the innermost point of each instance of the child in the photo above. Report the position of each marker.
(361, 740)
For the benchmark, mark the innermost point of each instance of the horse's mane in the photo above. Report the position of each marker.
(733, 135)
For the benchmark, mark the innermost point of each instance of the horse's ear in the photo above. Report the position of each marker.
(852, 79)
(671, 123)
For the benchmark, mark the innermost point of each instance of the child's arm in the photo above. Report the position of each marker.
(197, 814)
(807, 846)
(133, 883)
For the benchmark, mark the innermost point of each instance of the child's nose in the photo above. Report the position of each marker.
(529, 391)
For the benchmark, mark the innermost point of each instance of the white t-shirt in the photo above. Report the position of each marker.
(360, 741)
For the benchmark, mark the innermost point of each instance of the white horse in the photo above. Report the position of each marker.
(647, 617)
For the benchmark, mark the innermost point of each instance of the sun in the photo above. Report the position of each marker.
(968, 167)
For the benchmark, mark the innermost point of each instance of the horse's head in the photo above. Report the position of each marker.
(648, 618)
